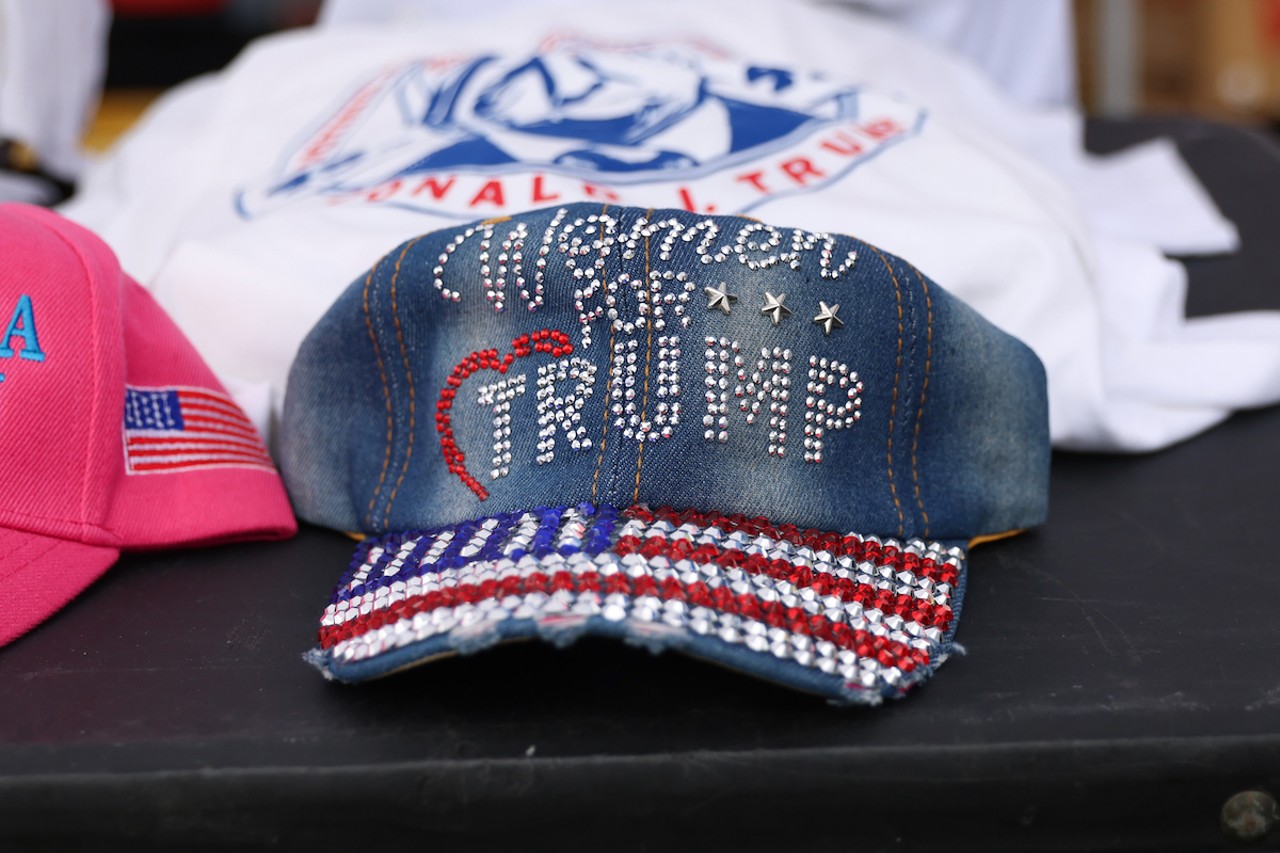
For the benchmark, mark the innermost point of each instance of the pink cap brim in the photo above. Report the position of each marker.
(41, 574)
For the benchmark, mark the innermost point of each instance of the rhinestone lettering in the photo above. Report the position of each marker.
(643, 316)
(828, 377)
(498, 396)
(587, 241)
(762, 388)
(563, 412)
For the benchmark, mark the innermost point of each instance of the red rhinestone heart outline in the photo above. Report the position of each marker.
(552, 341)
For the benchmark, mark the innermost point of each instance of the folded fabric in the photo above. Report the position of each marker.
(246, 201)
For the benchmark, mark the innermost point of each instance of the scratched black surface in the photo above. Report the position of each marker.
(1122, 680)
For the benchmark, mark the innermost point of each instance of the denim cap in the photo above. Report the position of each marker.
(758, 445)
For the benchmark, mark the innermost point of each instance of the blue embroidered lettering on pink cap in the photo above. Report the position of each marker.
(833, 427)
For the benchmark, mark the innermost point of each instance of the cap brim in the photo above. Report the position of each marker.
(40, 574)
(852, 617)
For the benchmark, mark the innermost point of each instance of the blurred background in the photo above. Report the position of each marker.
(1213, 58)
(1217, 59)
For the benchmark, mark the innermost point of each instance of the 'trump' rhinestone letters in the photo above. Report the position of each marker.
(644, 317)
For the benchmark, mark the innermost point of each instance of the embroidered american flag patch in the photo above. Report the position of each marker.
(167, 430)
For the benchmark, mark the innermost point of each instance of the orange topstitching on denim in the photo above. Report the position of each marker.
(408, 372)
(386, 392)
(924, 388)
(893, 406)
(648, 358)
(604, 429)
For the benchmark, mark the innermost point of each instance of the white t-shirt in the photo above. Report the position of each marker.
(247, 201)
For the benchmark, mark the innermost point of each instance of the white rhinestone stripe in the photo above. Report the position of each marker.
(644, 615)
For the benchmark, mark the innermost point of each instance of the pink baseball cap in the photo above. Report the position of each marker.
(116, 434)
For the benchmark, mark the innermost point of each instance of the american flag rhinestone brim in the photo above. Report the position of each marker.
(855, 618)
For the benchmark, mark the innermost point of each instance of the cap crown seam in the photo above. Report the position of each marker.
(897, 376)
(386, 391)
(95, 404)
(404, 355)
(648, 359)
(88, 524)
(604, 430)
(924, 388)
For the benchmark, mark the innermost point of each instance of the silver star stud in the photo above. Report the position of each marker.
(773, 307)
(827, 318)
(719, 297)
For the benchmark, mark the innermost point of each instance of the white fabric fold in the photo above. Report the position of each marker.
(247, 201)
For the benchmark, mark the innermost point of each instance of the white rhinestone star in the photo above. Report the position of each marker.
(827, 318)
(719, 297)
(773, 307)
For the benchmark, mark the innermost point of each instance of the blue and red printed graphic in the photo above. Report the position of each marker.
(679, 125)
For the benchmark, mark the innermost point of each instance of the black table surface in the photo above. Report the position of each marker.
(1121, 682)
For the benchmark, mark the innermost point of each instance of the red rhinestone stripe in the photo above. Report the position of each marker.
(775, 614)
(551, 341)
(887, 601)
(819, 540)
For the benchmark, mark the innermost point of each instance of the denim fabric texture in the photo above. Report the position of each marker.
(592, 356)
